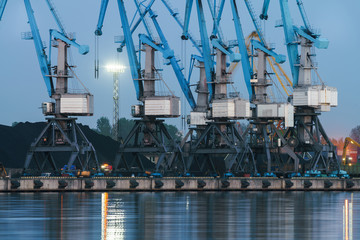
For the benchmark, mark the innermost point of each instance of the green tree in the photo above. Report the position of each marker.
(174, 132)
(103, 126)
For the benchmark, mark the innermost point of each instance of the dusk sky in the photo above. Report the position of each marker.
(23, 89)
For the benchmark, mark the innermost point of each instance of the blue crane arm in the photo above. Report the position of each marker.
(234, 57)
(188, 8)
(103, 7)
(83, 49)
(137, 23)
(40, 49)
(143, 15)
(214, 16)
(245, 62)
(175, 16)
(255, 21)
(130, 47)
(208, 62)
(303, 15)
(219, 14)
(291, 40)
(321, 43)
(56, 17)
(279, 58)
(192, 63)
(168, 53)
(2, 7)
(264, 14)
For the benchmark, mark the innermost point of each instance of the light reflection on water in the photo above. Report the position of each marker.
(180, 215)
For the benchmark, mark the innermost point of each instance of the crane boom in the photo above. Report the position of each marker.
(169, 54)
(208, 62)
(40, 49)
(130, 47)
(264, 15)
(56, 16)
(245, 62)
(175, 16)
(103, 7)
(291, 40)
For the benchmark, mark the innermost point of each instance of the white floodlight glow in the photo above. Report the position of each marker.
(115, 68)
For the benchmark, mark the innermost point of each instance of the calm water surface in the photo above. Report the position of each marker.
(176, 215)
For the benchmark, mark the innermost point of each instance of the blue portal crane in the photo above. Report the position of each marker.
(61, 134)
(292, 34)
(44, 61)
(165, 49)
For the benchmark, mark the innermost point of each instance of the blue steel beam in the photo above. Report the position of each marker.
(137, 23)
(83, 49)
(219, 14)
(279, 58)
(255, 22)
(304, 16)
(40, 49)
(264, 14)
(103, 7)
(2, 7)
(143, 15)
(208, 62)
(291, 40)
(134, 64)
(56, 17)
(174, 15)
(188, 9)
(245, 62)
(234, 57)
(168, 53)
(321, 43)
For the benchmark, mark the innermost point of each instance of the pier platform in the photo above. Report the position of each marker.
(48, 184)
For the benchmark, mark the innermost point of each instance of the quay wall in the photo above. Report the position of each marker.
(44, 184)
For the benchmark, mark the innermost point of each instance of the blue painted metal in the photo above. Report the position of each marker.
(219, 14)
(83, 49)
(175, 16)
(56, 17)
(208, 62)
(168, 53)
(215, 32)
(147, 28)
(304, 16)
(134, 64)
(279, 58)
(264, 12)
(245, 62)
(2, 7)
(192, 63)
(234, 57)
(137, 23)
(255, 22)
(321, 43)
(40, 49)
(291, 40)
(188, 9)
(103, 7)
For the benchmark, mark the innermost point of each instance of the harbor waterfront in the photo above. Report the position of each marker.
(44, 184)
(180, 215)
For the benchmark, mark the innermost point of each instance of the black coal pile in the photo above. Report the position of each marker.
(15, 142)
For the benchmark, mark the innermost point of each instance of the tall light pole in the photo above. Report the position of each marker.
(115, 69)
